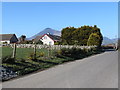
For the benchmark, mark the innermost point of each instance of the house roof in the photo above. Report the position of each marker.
(54, 37)
(37, 38)
(6, 36)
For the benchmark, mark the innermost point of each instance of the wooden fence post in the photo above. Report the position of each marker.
(35, 51)
(14, 51)
(48, 51)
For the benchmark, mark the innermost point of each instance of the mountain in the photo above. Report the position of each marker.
(46, 30)
(115, 40)
(106, 41)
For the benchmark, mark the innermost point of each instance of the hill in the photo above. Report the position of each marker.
(46, 30)
(106, 41)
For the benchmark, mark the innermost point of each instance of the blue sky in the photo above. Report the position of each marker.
(29, 18)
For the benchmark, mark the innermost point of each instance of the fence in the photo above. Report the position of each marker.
(49, 46)
(24, 50)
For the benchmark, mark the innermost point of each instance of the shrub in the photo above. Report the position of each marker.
(22, 60)
(39, 42)
(75, 53)
(57, 53)
(94, 39)
(26, 71)
(41, 54)
(8, 59)
(31, 56)
(94, 50)
(56, 43)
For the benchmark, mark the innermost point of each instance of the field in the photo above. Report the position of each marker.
(23, 53)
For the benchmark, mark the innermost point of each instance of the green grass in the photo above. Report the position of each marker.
(6, 51)
(22, 53)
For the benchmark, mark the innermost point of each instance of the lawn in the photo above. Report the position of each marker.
(6, 51)
(23, 53)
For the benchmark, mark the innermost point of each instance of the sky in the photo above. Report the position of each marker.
(29, 18)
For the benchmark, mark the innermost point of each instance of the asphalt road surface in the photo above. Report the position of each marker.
(99, 71)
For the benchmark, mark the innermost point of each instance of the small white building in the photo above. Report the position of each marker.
(8, 38)
(48, 39)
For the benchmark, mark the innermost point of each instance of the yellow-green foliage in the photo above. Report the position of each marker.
(41, 54)
(94, 39)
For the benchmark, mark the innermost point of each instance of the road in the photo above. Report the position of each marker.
(98, 71)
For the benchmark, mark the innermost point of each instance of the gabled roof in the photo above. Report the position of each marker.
(54, 37)
(37, 38)
(6, 36)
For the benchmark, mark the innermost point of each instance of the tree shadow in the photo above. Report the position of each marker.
(26, 64)
(48, 62)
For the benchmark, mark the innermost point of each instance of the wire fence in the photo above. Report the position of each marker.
(25, 51)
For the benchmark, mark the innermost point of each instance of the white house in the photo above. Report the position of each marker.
(48, 39)
(8, 38)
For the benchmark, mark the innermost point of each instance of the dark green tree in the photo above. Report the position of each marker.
(67, 35)
(79, 36)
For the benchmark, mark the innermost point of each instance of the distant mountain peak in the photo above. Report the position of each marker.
(46, 30)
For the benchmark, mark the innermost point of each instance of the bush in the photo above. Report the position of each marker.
(26, 42)
(76, 53)
(26, 71)
(39, 42)
(31, 56)
(94, 39)
(58, 43)
(58, 53)
(8, 59)
(41, 54)
(22, 60)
